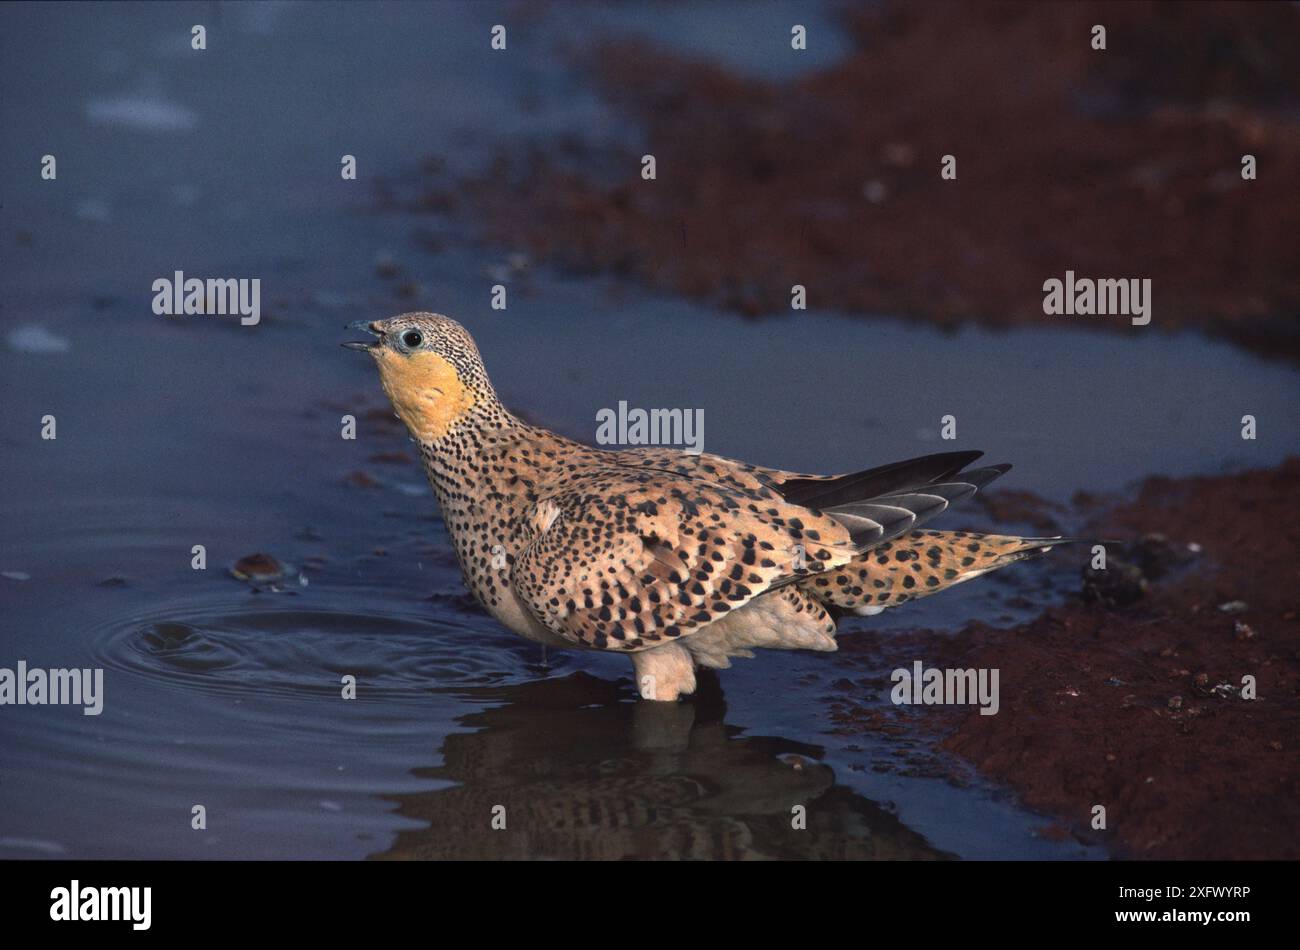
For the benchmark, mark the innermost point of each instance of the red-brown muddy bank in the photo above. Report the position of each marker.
(1122, 163)
(1131, 696)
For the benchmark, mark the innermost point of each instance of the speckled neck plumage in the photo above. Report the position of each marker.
(458, 461)
(456, 430)
(472, 447)
(449, 407)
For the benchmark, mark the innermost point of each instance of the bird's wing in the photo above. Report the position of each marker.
(895, 497)
(627, 560)
(883, 503)
(827, 491)
(875, 505)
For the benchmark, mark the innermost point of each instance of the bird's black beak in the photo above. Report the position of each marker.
(368, 327)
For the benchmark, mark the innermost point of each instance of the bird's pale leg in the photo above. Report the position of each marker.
(664, 673)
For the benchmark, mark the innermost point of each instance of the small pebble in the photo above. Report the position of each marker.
(257, 567)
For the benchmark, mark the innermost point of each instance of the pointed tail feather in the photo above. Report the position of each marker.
(921, 563)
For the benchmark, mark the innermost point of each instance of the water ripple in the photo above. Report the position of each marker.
(308, 651)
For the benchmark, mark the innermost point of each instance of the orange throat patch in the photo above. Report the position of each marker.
(425, 390)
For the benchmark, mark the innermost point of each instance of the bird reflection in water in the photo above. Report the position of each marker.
(583, 771)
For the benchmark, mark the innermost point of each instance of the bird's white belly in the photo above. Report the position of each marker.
(767, 621)
(511, 613)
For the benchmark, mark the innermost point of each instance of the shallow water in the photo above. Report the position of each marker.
(197, 431)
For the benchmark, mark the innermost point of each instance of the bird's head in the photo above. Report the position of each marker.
(429, 367)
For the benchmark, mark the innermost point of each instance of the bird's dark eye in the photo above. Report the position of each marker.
(412, 338)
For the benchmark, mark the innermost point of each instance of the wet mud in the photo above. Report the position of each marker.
(1130, 695)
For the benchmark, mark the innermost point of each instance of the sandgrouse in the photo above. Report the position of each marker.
(677, 560)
